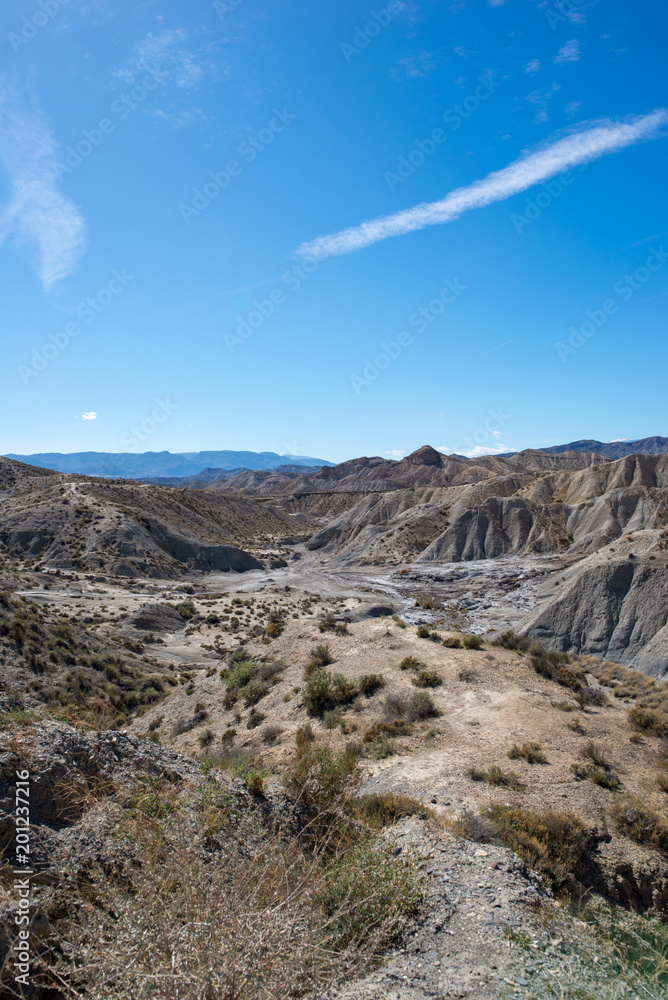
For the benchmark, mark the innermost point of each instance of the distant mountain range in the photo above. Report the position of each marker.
(208, 466)
(609, 449)
(126, 465)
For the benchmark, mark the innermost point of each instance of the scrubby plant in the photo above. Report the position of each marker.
(253, 692)
(649, 720)
(595, 754)
(468, 676)
(420, 706)
(453, 642)
(494, 775)
(427, 679)
(532, 753)
(370, 684)
(324, 691)
(385, 808)
(410, 663)
(633, 819)
(472, 642)
(510, 640)
(555, 844)
(423, 632)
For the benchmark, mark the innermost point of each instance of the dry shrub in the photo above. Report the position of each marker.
(510, 640)
(532, 753)
(468, 676)
(420, 706)
(649, 720)
(453, 642)
(410, 663)
(466, 824)
(554, 844)
(494, 775)
(634, 820)
(369, 684)
(190, 926)
(384, 808)
(427, 679)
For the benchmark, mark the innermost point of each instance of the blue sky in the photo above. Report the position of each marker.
(171, 176)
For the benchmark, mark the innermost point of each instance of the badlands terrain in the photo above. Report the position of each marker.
(473, 649)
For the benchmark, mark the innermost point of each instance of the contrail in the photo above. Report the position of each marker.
(593, 139)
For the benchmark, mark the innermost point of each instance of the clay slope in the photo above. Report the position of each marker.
(565, 512)
(127, 529)
(613, 604)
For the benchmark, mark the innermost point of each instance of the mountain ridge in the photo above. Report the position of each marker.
(155, 464)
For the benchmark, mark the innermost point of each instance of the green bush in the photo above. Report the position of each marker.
(472, 642)
(240, 674)
(423, 632)
(324, 691)
(253, 692)
(366, 893)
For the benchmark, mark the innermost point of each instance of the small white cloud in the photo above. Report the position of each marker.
(482, 450)
(573, 108)
(395, 453)
(533, 66)
(570, 52)
(91, 415)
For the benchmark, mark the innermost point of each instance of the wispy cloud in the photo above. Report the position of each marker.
(417, 65)
(91, 415)
(591, 141)
(533, 66)
(570, 52)
(38, 215)
(170, 59)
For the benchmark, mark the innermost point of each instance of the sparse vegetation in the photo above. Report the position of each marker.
(324, 690)
(424, 632)
(494, 775)
(472, 641)
(369, 684)
(427, 679)
(633, 819)
(532, 753)
(468, 676)
(510, 640)
(555, 844)
(452, 642)
(384, 808)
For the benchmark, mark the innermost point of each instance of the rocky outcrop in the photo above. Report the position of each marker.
(613, 604)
